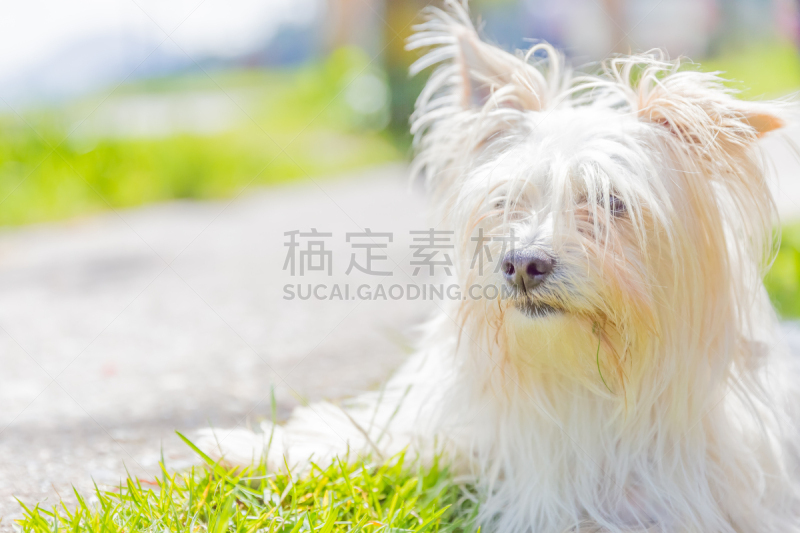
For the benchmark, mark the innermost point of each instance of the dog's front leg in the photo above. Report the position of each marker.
(377, 424)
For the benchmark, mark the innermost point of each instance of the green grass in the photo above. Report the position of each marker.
(53, 166)
(395, 496)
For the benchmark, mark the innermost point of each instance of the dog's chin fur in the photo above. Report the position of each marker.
(640, 386)
(534, 309)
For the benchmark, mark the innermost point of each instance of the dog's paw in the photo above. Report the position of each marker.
(244, 447)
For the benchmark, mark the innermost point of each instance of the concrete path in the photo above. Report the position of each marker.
(118, 329)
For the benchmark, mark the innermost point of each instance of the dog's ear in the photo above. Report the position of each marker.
(482, 69)
(762, 120)
(474, 72)
(699, 110)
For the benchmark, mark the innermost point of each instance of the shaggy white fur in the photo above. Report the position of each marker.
(640, 385)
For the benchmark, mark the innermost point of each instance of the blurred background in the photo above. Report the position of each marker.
(155, 100)
(107, 104)
(154, 152)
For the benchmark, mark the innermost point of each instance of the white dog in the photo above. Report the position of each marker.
(634, 383)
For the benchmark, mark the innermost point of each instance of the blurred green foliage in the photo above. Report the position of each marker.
(783, 279)
(767, 69)
(52, 165)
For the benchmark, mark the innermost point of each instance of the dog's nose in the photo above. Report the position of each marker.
(525, 269)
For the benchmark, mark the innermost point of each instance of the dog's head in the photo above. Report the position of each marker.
(626, 211)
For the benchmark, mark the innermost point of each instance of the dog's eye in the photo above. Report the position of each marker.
(508, 211)
(616, 206)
